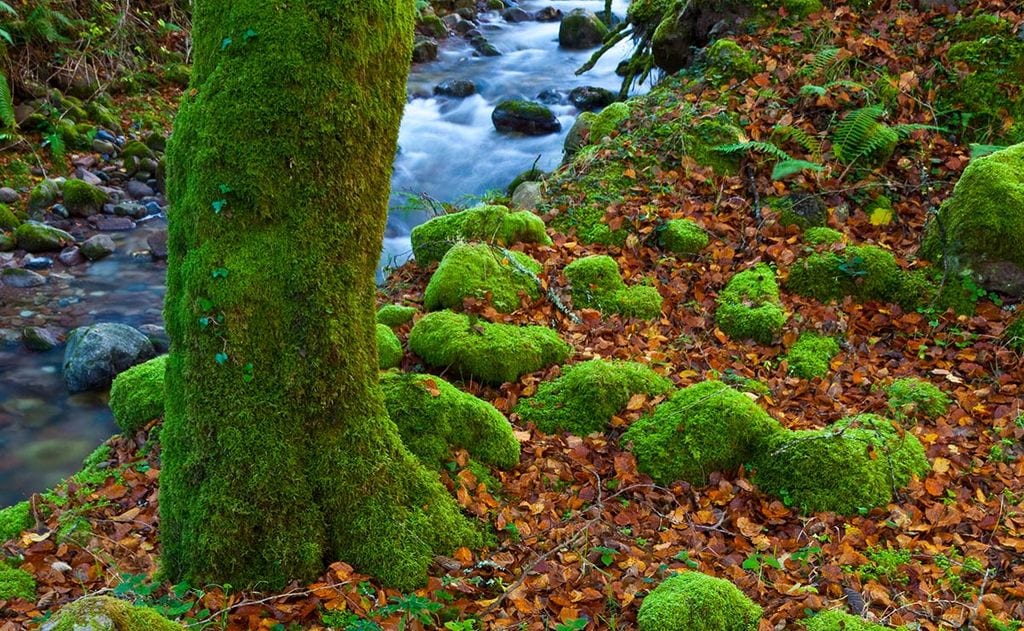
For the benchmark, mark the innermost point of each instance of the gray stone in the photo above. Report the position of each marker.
(103, 146)
(106, 223)
(158, 336)
(88, 176)
(37, 262)
(424, 50)
(134, 210)
(137, 190)
(548, 14)
(458, 88)
(37, 338)
(21, 278)
(581, 29)
(524, 117)
(158, 245)
(71, 256)
(96, 354)
(516, 15)
(97, 247)
(8, 195)
(590, 98)
(527, 196)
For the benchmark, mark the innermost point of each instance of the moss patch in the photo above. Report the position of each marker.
(105, 612)
(16, 583)
(749, 307)
(35, 237)
(389, 348)
(683, 237)
(840, 621)
(477, 271)
(491, 224)
(981, 96)
(14, 519)
(820, 235)
(725, 59)
(82, 198)
(865, 272)
(7, 219)
(596, 283)
(693, 600)
(608, 120)
(137, 395)
(395, 315)
(916, 399)
(810, 355)
(1014, 334)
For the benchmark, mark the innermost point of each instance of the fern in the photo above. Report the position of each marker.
(786, 168)
(56, 144)
(6, 104)
(754, 146)
(4, 34)
(980, 151)
(800, 136)
(860, 133)
(813, 90)
(823, 60)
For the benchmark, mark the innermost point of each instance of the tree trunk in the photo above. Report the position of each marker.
(278, 455)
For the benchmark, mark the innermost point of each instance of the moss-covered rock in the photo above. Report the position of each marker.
(104, 613)
(608, 120)
(596, 283)
(701, 429)
(836, 620)
(916, 399)
(802, 8)
(864, 272)
(683, 237)
(14, 519)
(493, 353)
(587, 395)
(855, 464)
(981, 97)
(700, 140)
(524, 117)
(810, 355)
(581, 29)
(434, 416)
(137, 395)
(596, 184)
(16, 583)
(800, 210)
(83, 199)
(821, 235)
(749, 307)
(8, 221)
(133, 155)
(724, 59)
(530, 175)
(492, 224)
(36, 237)
(395, 315)
(476, 270)
(389, 348)
(43, 195)
(692, 600)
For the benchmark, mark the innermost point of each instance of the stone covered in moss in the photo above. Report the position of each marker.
(36, 237)
(802, 8)
(595, 183)
(8, 221)
(491, 224)
(982, 95)
(137, 395)
(810, 355)
(700, 140)
(864, 272)
(395, 315)
(581, 29)
(83, 199)
(596, 283)
(701, 429)
(389, 348)
(434, 416)
(476, 270)
(134, 153)
(724, 59)
(915, 398)
(692, 600)
(14, 519)
(749, 307)
(16, 583)
(800, 210)
(683, 237)
(104, 613)
(524, 117)
(587, 395)
(493, 353)
(43, 195)
(836, 620)
(821, 235)
(608, 120)
(855, 464)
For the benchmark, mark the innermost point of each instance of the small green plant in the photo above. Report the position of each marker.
(575, 624)
(885, 564)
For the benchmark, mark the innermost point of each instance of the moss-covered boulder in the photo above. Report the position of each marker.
(434, 416)
(692, 600)
(855, 464)
(491, 224)
(802, 8)
(608, 120)
(683, 237)
(395, 315)
(724, 59)
(587, 395)
(36, 237)
(596, 283)
(83, 199)
(16, 583)
(701, 429)
(749, 307)
(104, 613)
(15, 519)
(493, 353)
(809, 357)
(8, 221)
(836, 620)
(135, 154)
(800, 210)
(581, 29)
(389, 348)
(700, 139)
(821, 235)
(916, 399)
(477, 270)
(137, 395)
(981, 226)
(43, 195)
(525, 117)
(865, 272)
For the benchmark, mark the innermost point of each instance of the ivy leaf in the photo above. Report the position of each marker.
(218, 205)
(224, 189)
(249, 34)
(224, 43)
(205, 304)
(204, 322)
(247, 373)
(221, 358)
(220, 272)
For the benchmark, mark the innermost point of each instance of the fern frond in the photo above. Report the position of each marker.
(800, 136)
(785, 168)
(6, 104)
(56, 144)
(980, 151)
(813, 90)
(860, 128)
(753, 146)
(823, 59)
(849, 84)
(7, 8)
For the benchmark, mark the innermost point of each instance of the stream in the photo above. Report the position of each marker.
(449, 151)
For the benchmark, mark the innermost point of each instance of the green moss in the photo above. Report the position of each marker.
(699, 143)
(590, 185)
(749, 307)
(864, 272)
(43, 195)
(853, 465)
(15, 519)
(810, 355)
(493, 353)
(37, 237)
(978, 26)
(608, 120)
(725, 59)
(395, 315)
(586, 397)
(477, 271)
(105, 612)
(137, 395)
(7, 219)
(16, 583)
(595, 283)
(434, 416)
(802, 8)
(701, 429)
(982, 93)
(530, 175)
(683, 237)
(491, 224)
(134, 153)
(917, 399)
(836, 620)
(693, 600)
(102, 116)
(1014, 334)
(803, 211)
(389, 348)
(820, 235)
(83, 198)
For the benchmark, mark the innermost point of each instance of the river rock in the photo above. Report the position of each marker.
(37, 262)
(158, 245)
(107, 223)
(7, 242)
(548, 14)
(36, 237)
(97, 247)
(37, 338)
(87, 176)
(104, 147)
(96, 354)
(457, 88)
(516, 15)
(525, 117)
(527, 196)
(424, 50)
(44, 195)
(590, 98)
(71, 256)
(581, 29)
(21, 278)
(158, 336)
(137, 190)
(8, 195)
(134, 210)
(551, 96)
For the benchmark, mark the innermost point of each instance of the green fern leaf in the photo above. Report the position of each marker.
(786, 168)
(800, 136)
(56, 144)
(823, 60)
(7, 8)
(813, 90)
(753, 146)
(6, 104)
(980, 151)
(856, 131)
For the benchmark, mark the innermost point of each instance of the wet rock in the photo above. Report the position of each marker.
(551, 96)
(106, 223)
(527, 196)
(462, 27)
(35, 237)
(8, 195)
(158, 245)
(134, 210)
(104, 147)
(589, 98)
(424, 50)
(581, 29)
(524, 117)
(137, 190)
(71, 256)
(484, 47)
(97, 247)
(158, 336)
(44, 195)
(516, 15)
(37, 338)
(7, 242)
(21, 278)
(88, 176)
(96, 354)
(156, 142)
(457, 88)
(548, 14)
(37, 262)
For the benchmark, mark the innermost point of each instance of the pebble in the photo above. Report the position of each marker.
(38, 262)
(137, 190)
(8, 195)
(21, 278)
(107, 223)
(71, 256)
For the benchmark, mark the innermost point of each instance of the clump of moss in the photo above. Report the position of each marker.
(982, 98)
(493, 353)
(914, 398)
(37, 237)
(134, 152)
(725, 59)
(701, 429)
(395, 315)
(82, 198)
(608, 120)
(389, 347)
(693, 600)
(7, 219)
(864, 272)
(836, 620)
(810, 355)
(589, 186)
(700, 140)
(821, 235)
(802, 8)
(587, 395)
(43, 195)
(137, 395)
(800, 210)
(492, 224)
(105, 612)
(434, 416)
(596, 283)
(476, 270)
(683, 236)
(749, 307)
(14, 519)
(1014, 334)
(856, 464)
(16, 583)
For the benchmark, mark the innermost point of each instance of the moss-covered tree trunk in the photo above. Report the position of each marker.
(278, 455)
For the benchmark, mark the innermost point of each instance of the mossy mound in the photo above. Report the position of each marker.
(693, 600)
(8, 221)
(800, 210)
(749, 307)
(493, 353)
(434, 416)
(491, 224)
(865, 272)
(700, 139)
(821, 235)
(395, 315)
(596, 283)
(104, 613)
(587, 395)
(810, 355)
(14, 519)
(82, 198)
(477, 270)
(43, 195)
(856, 464)
(137, 395)
(389, 348)
(701, 429)
(981, 97)
(608, 120)
(35, 237)
(683, 237)
(802, 8)
(916, 399)
(134, 152)
(16, 583)
(836, 620)
(595, 184)
(725, 59)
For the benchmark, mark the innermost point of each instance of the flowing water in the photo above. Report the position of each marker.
(449, 151)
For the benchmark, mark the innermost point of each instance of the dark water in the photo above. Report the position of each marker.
(449, 150)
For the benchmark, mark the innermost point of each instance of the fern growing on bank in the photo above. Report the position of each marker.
(7, 121)
(862, 135)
